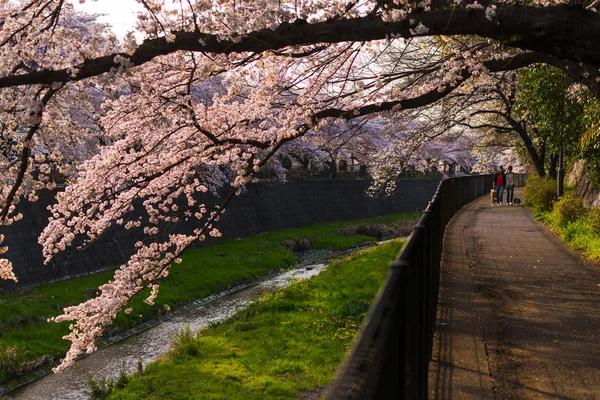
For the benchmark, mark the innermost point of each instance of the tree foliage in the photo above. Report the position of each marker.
(550, 102)
(561, 113)
(589, 143)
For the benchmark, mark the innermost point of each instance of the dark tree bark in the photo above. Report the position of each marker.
(567, 33)
(537, 160)
(518, 126)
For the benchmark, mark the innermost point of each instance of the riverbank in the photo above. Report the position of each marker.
(27, 342)
(286, 345)
(127, 355)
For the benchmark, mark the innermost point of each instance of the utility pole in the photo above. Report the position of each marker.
(561, 173)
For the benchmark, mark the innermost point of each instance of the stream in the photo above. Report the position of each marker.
(152, 343)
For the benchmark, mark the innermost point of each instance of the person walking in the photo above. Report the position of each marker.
(331, 168)
(510, 186)
(499, 182)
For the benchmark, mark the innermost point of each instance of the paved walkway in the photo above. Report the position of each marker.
(519, 314)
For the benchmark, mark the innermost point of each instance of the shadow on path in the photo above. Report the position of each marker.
(519, 313)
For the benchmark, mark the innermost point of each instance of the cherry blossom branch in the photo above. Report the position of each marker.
(143, 271)
(27, 152)
(306, 53)
(564, 32)
(53, 16)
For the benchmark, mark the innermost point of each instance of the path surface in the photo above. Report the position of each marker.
(519, 314)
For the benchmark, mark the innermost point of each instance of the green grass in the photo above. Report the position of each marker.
(576, 234)
(282, 347)
(27, 340)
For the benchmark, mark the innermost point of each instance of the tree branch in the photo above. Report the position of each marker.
(563, 32)
(432, 96)
(26, 154)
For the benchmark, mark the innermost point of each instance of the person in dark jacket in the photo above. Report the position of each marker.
(510, 186)
(331, 168)
(499, 183)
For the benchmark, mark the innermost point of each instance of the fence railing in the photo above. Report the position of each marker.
(390, 358)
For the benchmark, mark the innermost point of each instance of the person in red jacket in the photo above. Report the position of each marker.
(499, 183)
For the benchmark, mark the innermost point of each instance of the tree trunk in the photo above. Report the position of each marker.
(521, 130)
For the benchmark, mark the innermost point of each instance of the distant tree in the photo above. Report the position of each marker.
(550, 102)
(590, 139)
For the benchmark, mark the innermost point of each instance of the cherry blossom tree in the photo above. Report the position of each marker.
(217, 88)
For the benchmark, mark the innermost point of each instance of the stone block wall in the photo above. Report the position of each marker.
(262, 208)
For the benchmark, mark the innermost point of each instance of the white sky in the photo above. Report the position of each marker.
(120, 14)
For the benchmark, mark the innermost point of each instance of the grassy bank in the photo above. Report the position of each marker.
(578, 234)
(283, 347)
(28, 341)
(577, 226)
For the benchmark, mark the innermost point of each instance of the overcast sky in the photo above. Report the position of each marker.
(120, 14)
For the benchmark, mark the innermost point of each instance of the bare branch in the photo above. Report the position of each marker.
(25, 156)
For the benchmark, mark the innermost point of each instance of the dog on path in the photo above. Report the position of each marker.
(494, 196)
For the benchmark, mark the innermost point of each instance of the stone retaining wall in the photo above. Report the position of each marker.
(262, 208)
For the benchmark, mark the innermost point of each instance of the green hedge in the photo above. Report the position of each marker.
(569, 208)
(540, 193)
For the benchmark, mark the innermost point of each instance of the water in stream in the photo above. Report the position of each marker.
(149, 345)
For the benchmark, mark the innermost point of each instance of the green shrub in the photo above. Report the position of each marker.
(353, 309)
(101, 389)
(540, 193)
(15, 362)
(593, 220)
(569, 208)
(185, 342)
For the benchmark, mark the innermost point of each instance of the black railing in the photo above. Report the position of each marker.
(390, 358)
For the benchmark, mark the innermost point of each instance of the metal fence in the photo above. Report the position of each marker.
(390, 358)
